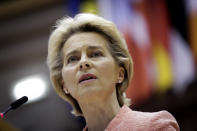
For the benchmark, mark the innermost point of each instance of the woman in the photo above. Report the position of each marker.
(90, 67)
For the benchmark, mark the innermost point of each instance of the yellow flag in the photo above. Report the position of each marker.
(193, 32)
(163, 66)
(89, 6)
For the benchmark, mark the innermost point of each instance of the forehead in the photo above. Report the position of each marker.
(84, 40)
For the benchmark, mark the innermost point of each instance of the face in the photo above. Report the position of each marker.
(89, 69)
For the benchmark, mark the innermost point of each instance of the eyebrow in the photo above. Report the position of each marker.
(89, 47)
(95, 47)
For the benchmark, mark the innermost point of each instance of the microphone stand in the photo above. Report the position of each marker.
(5, 112)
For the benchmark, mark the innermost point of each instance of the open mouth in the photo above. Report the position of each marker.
(87, 77)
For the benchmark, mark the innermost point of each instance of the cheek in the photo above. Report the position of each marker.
(68, 75)
(107, 70)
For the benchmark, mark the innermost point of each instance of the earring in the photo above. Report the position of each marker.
(66, 92)
(119, 81)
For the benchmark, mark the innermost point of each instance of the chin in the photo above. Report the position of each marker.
(90, 92)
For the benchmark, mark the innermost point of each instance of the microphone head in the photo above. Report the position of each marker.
(19, 102)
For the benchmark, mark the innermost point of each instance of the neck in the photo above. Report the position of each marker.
(99, 114)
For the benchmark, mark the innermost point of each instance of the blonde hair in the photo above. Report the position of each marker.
(84, 22)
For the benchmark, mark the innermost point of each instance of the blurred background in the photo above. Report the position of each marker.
(162, 39)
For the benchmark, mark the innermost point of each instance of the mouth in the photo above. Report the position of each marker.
(87, 77)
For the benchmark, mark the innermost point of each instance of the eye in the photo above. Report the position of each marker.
(72, 59)
(96, 54)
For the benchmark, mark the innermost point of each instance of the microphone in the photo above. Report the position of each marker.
(15, 105)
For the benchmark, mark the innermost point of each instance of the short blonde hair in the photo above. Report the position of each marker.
(84, 22)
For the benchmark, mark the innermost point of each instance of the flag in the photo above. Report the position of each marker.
(192, 22)
(159, 28)
(183, 62)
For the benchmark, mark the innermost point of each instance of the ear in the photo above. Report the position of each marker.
(121, 75)
(64, 87)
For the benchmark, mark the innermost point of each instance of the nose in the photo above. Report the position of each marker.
(85, 64)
